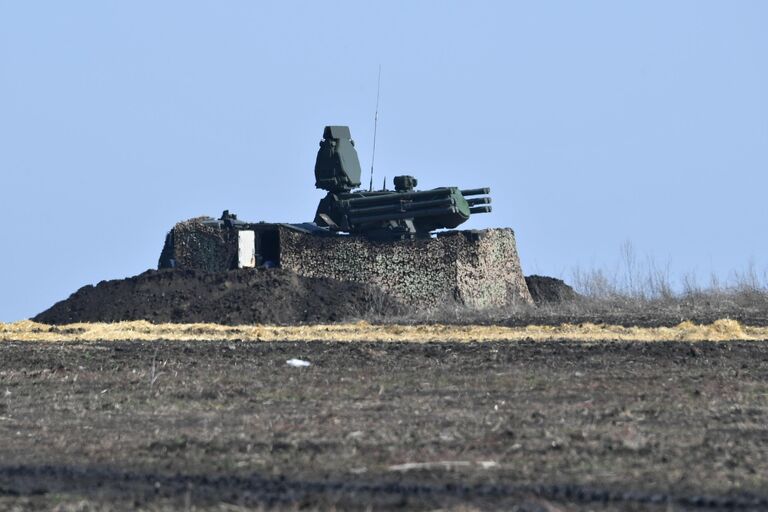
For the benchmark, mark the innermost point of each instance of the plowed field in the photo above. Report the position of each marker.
(538, 425)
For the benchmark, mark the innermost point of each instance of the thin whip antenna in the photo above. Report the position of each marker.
(375, 125)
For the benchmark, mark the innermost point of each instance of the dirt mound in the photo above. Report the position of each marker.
(247, 296)
(549, 290)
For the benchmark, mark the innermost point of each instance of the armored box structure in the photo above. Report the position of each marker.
(477, 268)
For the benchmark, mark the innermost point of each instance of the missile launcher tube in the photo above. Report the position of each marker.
(396, 196)
(436, 212)
(399, 207)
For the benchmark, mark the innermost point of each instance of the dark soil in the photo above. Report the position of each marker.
(276, 296)
(245, 296)
(549, 290)
(538, 426)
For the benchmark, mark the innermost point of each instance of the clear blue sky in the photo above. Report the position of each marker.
(592, 122)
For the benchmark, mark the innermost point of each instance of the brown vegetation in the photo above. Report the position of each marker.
(720, 330)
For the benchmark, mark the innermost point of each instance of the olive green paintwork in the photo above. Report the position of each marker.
(384, 214)
(337, 167)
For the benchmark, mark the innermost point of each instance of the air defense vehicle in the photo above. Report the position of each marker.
(397, 214)
(401, 241)
(376, 215)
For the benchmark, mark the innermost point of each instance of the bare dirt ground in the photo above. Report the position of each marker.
(279, 297)
(556, 425)
(236, 297)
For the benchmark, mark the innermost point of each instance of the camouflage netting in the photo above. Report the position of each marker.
(192, 244)
(476, 268)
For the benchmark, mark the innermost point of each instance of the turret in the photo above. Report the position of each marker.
(384, 214)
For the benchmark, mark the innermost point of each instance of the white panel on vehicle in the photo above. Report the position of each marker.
(246, 249)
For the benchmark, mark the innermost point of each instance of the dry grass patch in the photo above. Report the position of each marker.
(720, 330)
